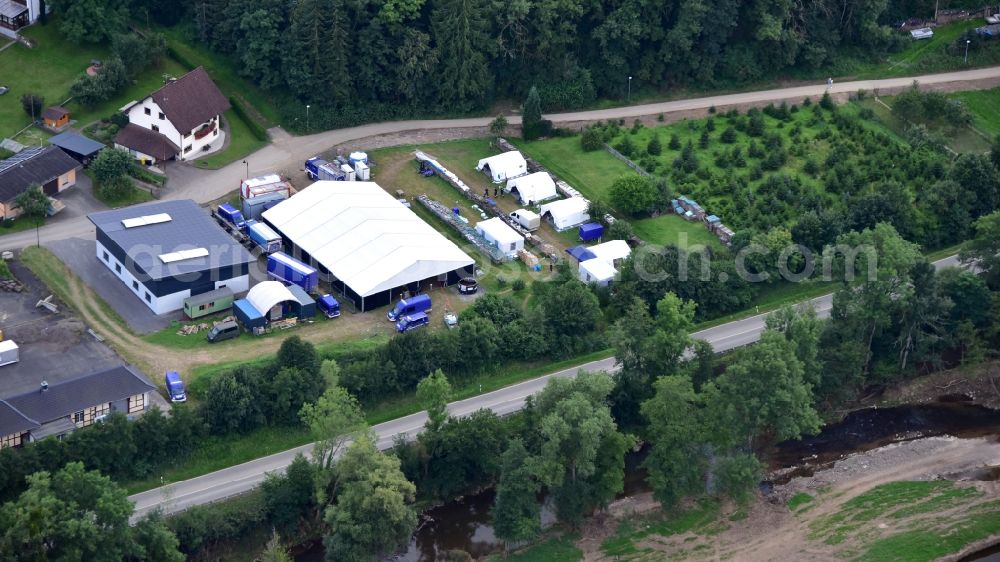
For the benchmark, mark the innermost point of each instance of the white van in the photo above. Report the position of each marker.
(529, 220)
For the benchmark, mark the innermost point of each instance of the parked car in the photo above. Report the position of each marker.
(468, 286)
(175, 387)
(407, 323)
(4, 90)
(223, 331)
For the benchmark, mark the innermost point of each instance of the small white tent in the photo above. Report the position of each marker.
(566, 213)
(496, 231)
(596, 271)
(533, 188)
(611, 252)
(504, 166)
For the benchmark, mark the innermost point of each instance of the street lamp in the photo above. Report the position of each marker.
(247, 174)
(629, 98)
(967, 51)
(307, 117)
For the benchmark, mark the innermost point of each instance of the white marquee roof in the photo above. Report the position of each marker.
(611, 250)
(505, 165)
(496, 229)
(598, 269)
(533, 187)
(267, 294)
(364, 236)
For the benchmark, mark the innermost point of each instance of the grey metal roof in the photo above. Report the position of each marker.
(189, 227)
(34, 165)
(65, 398)
(55, 427)
(13, 421)
(77, 143)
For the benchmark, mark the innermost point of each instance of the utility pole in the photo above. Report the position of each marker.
(967, 51)
(629, 98)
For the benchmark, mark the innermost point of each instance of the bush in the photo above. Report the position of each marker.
(33, 105)
(728, 136)
(826, 102)
(675, 142)
(591, 140)
(711, 110)
(118, 119)
(654, 148)
(633, 194)
(626, 147)
(661, 118)
(518, 285)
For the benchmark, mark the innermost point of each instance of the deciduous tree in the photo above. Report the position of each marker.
(516, 513)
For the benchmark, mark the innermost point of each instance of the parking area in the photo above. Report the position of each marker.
(53, 347)
(80, 256)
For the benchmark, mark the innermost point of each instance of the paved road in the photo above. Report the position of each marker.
(242, 478)
(285, 151)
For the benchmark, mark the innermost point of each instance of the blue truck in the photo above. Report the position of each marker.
(411, 321)
(283, 267)
(230, 218)
(420, 303)
(319, 169)
(175, 387)
(263, 236)
(329, 306)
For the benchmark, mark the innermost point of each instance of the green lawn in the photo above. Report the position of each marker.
(134, 197)
(701, 519)
(146, 83)
(15, 225)
(961, 139)
(590, 172)
(672, 229)
(559, 549)
(241, 143)
(985, 107)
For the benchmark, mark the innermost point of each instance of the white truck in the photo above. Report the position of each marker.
(9, 353)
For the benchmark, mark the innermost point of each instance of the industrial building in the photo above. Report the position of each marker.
(166, 252)
(363, 241)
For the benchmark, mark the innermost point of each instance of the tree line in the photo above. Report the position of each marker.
(376, 60)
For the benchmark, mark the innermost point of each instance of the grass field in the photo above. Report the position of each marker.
(590, 172)
(961, 139)
(134, 197)
(985, 107)
(552, 550)
(671, 229)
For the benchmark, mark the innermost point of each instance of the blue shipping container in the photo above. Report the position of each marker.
(263, 236)
(247, 315)
(282, 267)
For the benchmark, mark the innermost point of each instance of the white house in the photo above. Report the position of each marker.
(504, 166)
(566, 213)
(596, 271)
(15, 14)
(532, 188)
(504, 237)
(180, 120)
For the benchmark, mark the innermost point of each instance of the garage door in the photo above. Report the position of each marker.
(51, 188)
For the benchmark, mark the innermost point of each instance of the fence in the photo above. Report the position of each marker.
(627, 161)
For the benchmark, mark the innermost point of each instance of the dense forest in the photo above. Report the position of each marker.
(388, 58)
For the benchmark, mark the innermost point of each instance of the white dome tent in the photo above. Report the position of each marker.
(532, 188)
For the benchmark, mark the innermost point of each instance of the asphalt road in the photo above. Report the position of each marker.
(242, 478)
(187, 182)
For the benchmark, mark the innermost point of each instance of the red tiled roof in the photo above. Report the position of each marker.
(55, 113)
(190, 100)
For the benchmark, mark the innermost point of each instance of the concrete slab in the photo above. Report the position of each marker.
(53, 347)
(80, 256)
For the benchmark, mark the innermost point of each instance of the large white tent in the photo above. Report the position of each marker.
(566, 213)
(365, 239)
(506, 238)
(504, 166)
(266, 297)
(596, 271)
(611, 252)
(533, 188)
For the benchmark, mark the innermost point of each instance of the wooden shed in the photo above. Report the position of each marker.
(55, 117)
(208, 303)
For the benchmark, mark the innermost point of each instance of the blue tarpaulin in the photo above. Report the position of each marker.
(581, 253)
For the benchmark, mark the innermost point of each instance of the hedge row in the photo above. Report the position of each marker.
(255, 129)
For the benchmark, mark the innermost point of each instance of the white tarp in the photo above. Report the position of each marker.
(533, 188)
(566, 213)
(596, 271)
(266, 295)
(611, 252)
(364, 237)
(506, 238)
(504, 166)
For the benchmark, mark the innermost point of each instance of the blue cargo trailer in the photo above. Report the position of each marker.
(591, 231)
(285, 268)
(263, 236)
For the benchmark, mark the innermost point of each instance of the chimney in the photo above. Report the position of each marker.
(45, 386)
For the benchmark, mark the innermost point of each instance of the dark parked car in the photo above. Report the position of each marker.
(467, 286)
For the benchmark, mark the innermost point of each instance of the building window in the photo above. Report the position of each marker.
(148, 112)
(118, 268)
(161, 116)
(215, 133)
(149, 298)
(136, 403)
(135, 285)
(187, 148)
(155, 128)
(78, 417)
(105, 256)
(13, 440)
(88, 416)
